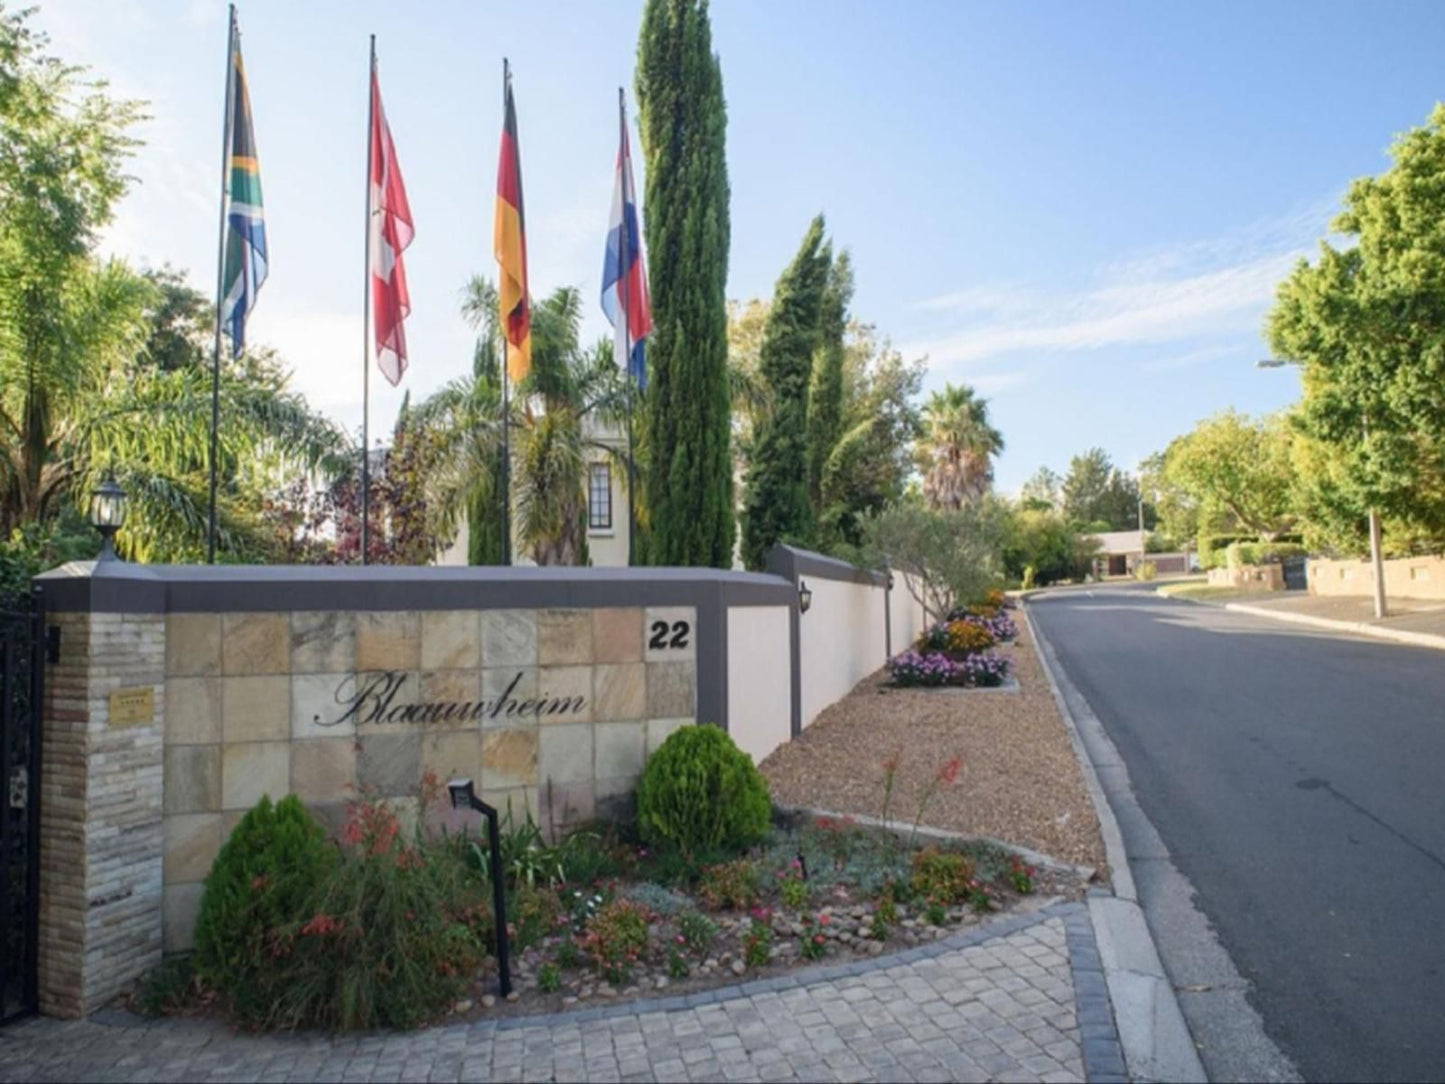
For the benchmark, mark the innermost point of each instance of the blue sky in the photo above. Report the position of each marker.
(1082, 209)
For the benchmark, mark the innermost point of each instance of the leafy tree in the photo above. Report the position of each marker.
(181, 321)
(826, 395)
(1178, 516)
(957, 449)
(749, 392)
(1236, 467)
(683, 126)
(1042, 539)
(947, 555)
(1367, 323)
(1042, 491)
(1097, 496)
(777, 506)
(869, 466)
(76, 400)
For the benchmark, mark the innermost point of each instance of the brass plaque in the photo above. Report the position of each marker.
(131, 707)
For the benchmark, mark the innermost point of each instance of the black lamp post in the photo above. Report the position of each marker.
(805, 596)
(107, 515)
(464, 796)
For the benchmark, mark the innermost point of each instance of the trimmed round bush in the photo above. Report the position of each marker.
(700, 792)
(267, 875)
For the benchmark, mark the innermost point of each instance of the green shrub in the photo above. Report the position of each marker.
(1261, 553)
(733, 885)
(616, 939)
(1030, 576)
(397, 933)
(170, 987)
(700, 791)
(758, 944)
(941, 875)
(697, 931)
(267, 875)
(1146, 570)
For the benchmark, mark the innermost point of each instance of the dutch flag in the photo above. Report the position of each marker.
(624, 275)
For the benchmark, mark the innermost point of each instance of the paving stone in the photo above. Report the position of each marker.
(1005, 1008)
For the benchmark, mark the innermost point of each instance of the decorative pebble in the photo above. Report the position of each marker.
(606, 990)
(488, 1000)
(464, 1005)
(513, 996)
(875, 948)
(661, 983)
(739, 967)
(568, 1000)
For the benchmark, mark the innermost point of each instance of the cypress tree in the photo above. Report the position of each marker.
(688, 484)
(777, 506)
(825, 399)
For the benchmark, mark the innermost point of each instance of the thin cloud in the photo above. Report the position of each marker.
(1192, 359)
(1209, 288)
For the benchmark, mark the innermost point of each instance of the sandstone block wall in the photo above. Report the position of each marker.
(551, 712)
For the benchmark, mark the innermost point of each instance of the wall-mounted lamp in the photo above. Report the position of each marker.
(464, 796)
(889, 582)
(107, 515)
(805, 596)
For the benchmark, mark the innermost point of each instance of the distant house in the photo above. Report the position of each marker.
(1120, 552)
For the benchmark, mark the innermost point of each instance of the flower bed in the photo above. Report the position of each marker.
(397, 929)
(959, 652)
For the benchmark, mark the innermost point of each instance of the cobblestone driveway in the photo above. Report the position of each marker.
(1018, 999)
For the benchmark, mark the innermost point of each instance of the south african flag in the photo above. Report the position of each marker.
(245, 264)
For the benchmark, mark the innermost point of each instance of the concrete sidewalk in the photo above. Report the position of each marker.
(1409, 621)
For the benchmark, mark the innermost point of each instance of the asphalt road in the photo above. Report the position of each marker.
(1298, 780)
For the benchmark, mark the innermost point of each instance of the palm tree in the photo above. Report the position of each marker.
(78, 403)
(567, 388)
(957, 448)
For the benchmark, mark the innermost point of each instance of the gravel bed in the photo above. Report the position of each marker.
(1020, 781)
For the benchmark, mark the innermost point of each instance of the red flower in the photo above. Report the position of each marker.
(822, 920)
(948, 773)
(890, 764)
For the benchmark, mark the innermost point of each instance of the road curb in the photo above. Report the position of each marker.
(1362, 628)
(1152, 1030)
(1401, 636)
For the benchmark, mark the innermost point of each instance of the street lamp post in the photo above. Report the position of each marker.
(1377, 560)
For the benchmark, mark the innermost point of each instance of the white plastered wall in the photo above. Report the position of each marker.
(840, 640)
(760, 678)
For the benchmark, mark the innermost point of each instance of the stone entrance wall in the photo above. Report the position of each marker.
(549, 711)
(183, 694)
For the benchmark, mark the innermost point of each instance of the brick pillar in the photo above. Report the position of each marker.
(101, 840)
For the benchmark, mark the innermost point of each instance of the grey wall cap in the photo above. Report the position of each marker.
(791, 562)
(122, 587)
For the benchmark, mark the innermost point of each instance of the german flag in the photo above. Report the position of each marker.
(509, 244)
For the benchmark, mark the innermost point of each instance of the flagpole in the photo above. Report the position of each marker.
(506, 384)
(623, 251)
(366, 321)
(221, 283)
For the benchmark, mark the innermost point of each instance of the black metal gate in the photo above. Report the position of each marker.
(22, 677)
(1295, 578)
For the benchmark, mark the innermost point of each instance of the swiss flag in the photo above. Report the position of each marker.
(391, 233)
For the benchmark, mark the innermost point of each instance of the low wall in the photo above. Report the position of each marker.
(1405, 577)
(855, 621)
(1256, 577)
(182, 695)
